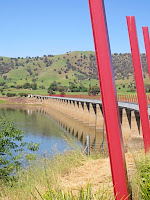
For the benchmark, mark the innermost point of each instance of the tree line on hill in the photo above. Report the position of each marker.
(72, 68)
(55, 87)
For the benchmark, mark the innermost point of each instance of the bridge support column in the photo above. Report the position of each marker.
(81, 112)
(50, 102)
(126, 130)
(61, 106)
(86, 114)
(92, 119)
(99, 118)
(57, 105)
(134, 127)
(69, 109)
(76, 110)
(72, 109)
(64, 107)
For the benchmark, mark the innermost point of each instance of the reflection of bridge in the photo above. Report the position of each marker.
(89, 111)
(76, 128)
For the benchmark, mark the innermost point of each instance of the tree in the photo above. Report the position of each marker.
(34, 86)
(74, 88)
(94, 90)
(4, 77)
(23, 94)
(66, 77)
(26, 85)
(12, 147)
(52, 87)
(60, 88)
(11, 94)
(82, 88)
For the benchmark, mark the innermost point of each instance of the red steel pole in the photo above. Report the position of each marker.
(109, 99)
(143, 109)
(147, 46)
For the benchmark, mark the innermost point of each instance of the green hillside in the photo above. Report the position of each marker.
(77, 68)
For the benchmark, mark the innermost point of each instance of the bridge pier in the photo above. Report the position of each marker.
(99, 118)
(126, 129)
(80, 112)
(92, 118)
(134, 124)
(86, 114)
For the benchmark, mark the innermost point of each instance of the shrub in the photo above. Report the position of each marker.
(34, 86)
(11, 94)
(94, 90)
(23, 95)
(11, 148)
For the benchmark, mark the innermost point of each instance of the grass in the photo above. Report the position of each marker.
(41, 180)
(141, 180)
(86, 194)
(2, 101)
(40, 176)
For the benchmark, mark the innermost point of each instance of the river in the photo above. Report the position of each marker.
(48, 127)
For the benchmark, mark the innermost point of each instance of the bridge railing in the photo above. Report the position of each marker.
(123, 98)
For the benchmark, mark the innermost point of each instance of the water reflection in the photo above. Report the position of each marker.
(46, 124)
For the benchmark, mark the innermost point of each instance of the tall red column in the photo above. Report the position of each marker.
(109, 99)
(147, 46)
(138, 73)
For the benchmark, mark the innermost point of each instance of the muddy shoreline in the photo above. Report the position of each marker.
(21, 100)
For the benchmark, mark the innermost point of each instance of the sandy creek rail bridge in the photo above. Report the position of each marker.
(89, 111)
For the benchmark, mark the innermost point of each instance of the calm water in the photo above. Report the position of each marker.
(48, 126)
(39, 127)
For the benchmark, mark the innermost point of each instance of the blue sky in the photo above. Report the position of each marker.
(38, 27)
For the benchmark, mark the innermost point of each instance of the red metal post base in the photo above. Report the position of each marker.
(147, 46)
(139, 81)
(109, 99)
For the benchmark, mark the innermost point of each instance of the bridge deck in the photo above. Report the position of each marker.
(130, 106)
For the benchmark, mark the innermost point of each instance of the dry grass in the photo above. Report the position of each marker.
(70, 176)
(40, 175)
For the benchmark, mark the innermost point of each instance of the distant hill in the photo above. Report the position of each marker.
(73, 67)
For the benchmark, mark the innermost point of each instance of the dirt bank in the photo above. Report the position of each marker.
(96, 172)
(20, 100)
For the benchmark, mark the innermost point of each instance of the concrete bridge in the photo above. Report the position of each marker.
(89, 111)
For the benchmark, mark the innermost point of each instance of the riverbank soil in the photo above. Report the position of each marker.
(95, 172)
(20, 100)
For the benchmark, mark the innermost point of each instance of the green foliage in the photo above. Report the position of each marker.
(11, 94)
(2, 83)
(52, 87)
(74, 88)
(83, 194)
(143, 168)
(23, 94)
(82, 88)
(12, 148)
(2, 101)
(94, 90)
(26, 86)
(34, 86)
